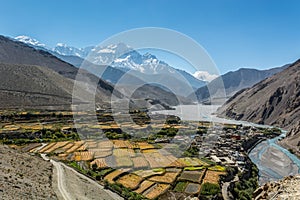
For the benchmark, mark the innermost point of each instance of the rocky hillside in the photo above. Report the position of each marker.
(292, 140)
(288, 188)
(273, 101)
(23, 176)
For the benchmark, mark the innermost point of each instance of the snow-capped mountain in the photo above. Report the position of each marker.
(60, 48)
(66, 50)
(30, 41)
(123, 56)
(119, 56)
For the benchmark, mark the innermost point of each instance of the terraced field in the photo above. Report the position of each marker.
(140, 167)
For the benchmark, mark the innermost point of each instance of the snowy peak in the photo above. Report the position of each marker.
(123, 56)
(30, 41)
(108, 54)
(66, 50)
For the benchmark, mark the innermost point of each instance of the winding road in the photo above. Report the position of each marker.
(81, 187)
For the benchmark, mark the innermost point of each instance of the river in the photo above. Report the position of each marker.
(273, 161)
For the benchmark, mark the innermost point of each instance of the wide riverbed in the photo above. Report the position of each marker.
(274, 162)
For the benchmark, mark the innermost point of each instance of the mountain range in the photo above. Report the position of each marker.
(148, 69)
(234, 81)
(34, 78)
(119, 56)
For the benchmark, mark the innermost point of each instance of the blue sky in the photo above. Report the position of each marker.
(236, 33)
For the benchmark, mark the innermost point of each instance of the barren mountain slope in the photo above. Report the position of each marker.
(274, 101)
(23, 176)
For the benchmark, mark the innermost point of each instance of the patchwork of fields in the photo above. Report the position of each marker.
(144, 168)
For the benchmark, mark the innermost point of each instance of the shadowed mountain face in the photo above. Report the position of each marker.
(27, 86)
(20, 75)
(235, 81)
(273, 101)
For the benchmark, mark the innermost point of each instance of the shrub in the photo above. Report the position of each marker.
(210, 189)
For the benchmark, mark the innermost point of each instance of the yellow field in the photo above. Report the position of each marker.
(56, 146)
(212, 177)
(144, 186)
(111, 176)
(102, 154)
(157, 190)
(100, 162)
(130, 181)
(150, 172)
(83, 156)
(168, 177)
(48, 146)
(139, 162)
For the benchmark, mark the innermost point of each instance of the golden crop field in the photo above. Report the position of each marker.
(212, 176)
(57, 145)
(157, 160)
(168, 177)
(144, 186)
(75, 147)
(123, 162)
(139, 162)
(156, 190)
(145, 145)
(130, 181)
(100, 162)
(83, 156)
(45, 148)
(119, 144)
(150, 172)
(113, 175)
(102, 154)
(68, 146)
(82, 147)
(107, 144)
